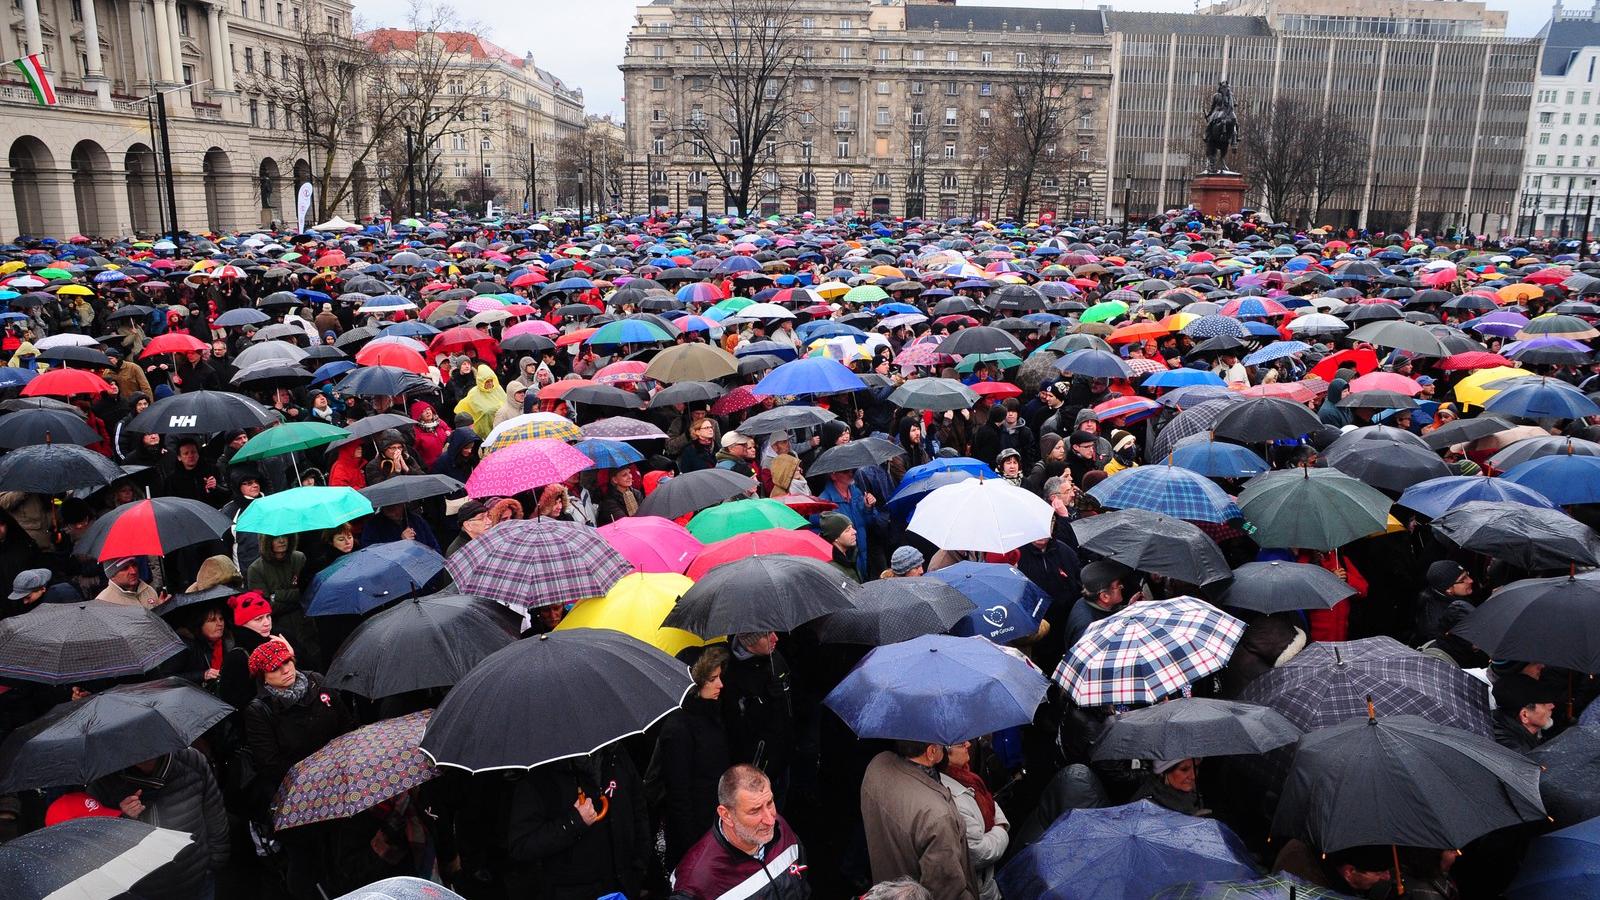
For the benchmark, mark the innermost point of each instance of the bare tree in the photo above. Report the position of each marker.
(1338, 161)
(1035, 115)
(592, 156)
(1280, 143)
(478, 188)
(748, 53)
(916, 162)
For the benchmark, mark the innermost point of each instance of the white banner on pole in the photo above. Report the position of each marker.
(302, 206)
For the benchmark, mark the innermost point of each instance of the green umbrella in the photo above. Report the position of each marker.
(629, 331)
(973, 360)
(865, 293)
(287, 438)
(1319, 509)
(732, 304)
(303, 509)
(1104, 312)
(54, 274)
(738, 517)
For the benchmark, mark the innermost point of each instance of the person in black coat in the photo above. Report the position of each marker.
(579, 828)
(620, 498)
(1054, 567)
(693, 753)
(293, 716)
(758, 711)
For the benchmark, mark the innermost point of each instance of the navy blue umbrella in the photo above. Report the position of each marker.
(939, 689)
(372, 576)
(1215, 459)
(1560, 865)
(1130, 852)
(905, 500)
(1563, 479)
(1009, 605)
(1437, 496)
(380, 381)
(1542, 398)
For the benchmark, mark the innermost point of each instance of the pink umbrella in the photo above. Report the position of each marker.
(536, 326)
(1385, 381)
(653, 544)
(525, 466)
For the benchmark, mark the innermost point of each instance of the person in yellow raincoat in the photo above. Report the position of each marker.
(483, 401)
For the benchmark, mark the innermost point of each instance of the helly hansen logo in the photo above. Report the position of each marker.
(182, 421)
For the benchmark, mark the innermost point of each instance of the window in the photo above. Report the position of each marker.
(488, 170)
(483, 114)
(658, 145)
(249, 59)
(883, 54)
(844, 87)
(1544, 138)
(916, 87)
(951, 88)
(808, 179)
(1085, 122)
(807, 117)
(916, 149)
(660, 50)
(844, 148)
(296, 13)
(986, 56)
(1539, 160)
(280, 13)
(77, 13)
(485, 143)
(1048, 181)
(883, 115)
(255, 114)
(844, 53)
(808, 23)
(1022, 57)
(883, 87)
(244, 8)
(266, 63)
(949, 116)
(808, 84)
(846, 26)
(734, 145)
(951, 56)
(1088, 59)
(949, 151)
(806, 52)
(461, 170)
(985, 89)
(917, 118)
(454, 87)
(917, 55)
(983, 118)
(333, 24)
(188, 75)
(805, 149)
(1566, 118)
(841, 179)
(458, 143)
(1050, 151)
(1083, 154)
(697, 178)
(880, 180)
(697, 116)
(183, 19)
(844, 117)
(656, 115)
(272, 113)
(947, 181)
(1563, 141)
(658, 83)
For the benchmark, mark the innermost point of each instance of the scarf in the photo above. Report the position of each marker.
(630, 502)
(980, 791)
(290, 695)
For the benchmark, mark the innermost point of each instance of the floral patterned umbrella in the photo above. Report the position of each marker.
(354, 772)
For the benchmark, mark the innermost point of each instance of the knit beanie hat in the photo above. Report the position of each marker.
(832, 525)
(1443, 574)
(247, 606)
(268, 657)
(904, 560)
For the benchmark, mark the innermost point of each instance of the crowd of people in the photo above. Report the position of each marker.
(1371, 462)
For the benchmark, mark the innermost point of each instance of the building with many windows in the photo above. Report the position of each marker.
(1559, 178)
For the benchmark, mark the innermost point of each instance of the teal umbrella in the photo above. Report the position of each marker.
(303, 509)
(738, 517)
(287, 438)
(1319, 509)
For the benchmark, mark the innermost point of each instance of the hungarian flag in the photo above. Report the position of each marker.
(33, 70)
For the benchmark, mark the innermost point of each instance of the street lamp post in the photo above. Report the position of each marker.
(1127, 196)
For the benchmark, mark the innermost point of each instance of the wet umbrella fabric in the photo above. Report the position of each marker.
(1007, 604)
(354, 772)
(854, 455)
(1124, 853)
(288, 438)
(409, 489)
(527, 563)
(359, 582)
(202, 412)
(694, 491)
(1153, 543)
(1403, 780)
(736, 517)
(1281, 506)
(1278, 886)
(1194, 727)
(602, 685)
(1437, 496)
(153, 527)
(785, 418)
(891, 610)
(1261, 419)
(1147, 651)
(39, 426)
(652, 544)
(1388, 467)
(82, 740)
(92, 857)
(1553, 620)
(72, 643)
(1276, 586)
(991, 516)
(1522, 535)
(440, 637)
(760, 594)
(1570, 783)
(303, 509)
(794, 542)
(1169, 490)
(939, 689)
(55, 469)
(1560, 865)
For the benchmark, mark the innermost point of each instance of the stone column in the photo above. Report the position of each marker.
(159, 12)
(176, 37)
(95, 78)
(224, 40)
(31, 33)
(219, 59)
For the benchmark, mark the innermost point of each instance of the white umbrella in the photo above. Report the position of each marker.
(984, 515)
(764, 311)
(1317, 323)
(335, 224)
(65, 340)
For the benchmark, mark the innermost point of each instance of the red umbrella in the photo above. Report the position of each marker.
(806, 506)
(173, 342)
(397, 355)
(528, 279)
(759, 543)
(65, 383)
(735, 400)
(1297, 391)
(465, 337)
(575, 337)
(153, 527)
(1363, 360)
(1386, 381)
(1474, 359)
(998, 390)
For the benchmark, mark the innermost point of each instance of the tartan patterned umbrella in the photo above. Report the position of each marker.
(354, 772)
(527, 563)
(1148, 651)
(1169, 490)
(1196, 419)
(1278, 886)
(525, 466)
(529, 427)
(1328, 683)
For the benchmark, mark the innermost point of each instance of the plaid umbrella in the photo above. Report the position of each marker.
(1279, 886)
(537, 562)
(529, 427)
(70, 643)
(1148, 651)
(354, 772)
(1169, 490)
(1142, 366)
(1196, 419)
(622, 428)
(1328, 683)
(525, 466)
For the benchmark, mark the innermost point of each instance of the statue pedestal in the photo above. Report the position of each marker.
(1218, 193)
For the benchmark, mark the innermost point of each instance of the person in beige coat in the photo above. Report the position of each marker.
(912, 826)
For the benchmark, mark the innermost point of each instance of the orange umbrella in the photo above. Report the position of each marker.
(1138, 331)
(559, 389)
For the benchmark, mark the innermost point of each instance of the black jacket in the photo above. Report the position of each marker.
(1509, 733)
(693, 751)
(280, 735)
(611, 506)
(565, 859)
(758, 711)
(181, 794)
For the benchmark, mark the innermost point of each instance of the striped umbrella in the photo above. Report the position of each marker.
(1148, 651)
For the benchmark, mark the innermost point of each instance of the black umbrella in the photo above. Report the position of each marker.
(275, 372)
(778, 592)
(1462, 431)
(1262, 419)
(785, 418)
(603, 395)
(71, 643)
(1525, 536)
(1514, 454)
(322, 353)
(381, 381)
(1570, 784)
(1388, 467)
(440, 637)
(1377, 399)
(891, 610)
(694, 491)
(980, 339)
(55, 469)
(687, 392)
(1403, 780)
(354, 336)
(1548, 620)
(96, 856)
(202, 412)
(85, 357)
(40, 426)
(82, 740)
(22, 404)
(1271, 587)
(152, 527)
(531, 344)
(369, 426)
(1017, 298)
(408, 488)
(937, 394)
(600, 685)
(854, 455)
(755, 365)
(1194, 727)
(1150, 542)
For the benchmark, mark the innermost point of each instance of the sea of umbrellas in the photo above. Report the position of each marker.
(1298, 401)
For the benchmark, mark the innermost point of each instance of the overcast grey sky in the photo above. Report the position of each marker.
(581, 41)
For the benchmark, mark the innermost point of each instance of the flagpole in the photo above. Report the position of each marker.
(159, 100)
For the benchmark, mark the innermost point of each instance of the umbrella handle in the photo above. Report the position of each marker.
(605, 806)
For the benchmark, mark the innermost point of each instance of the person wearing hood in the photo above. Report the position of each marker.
(482, 402)
(279, 574)
(460, 454)
(516, 395)
(430, 435)
(127, 441)
(1174, 784)
(1447, 582)
(1330, 412)
(178, 791)
(348, 469)
(394, 458)
(245, 482)
(986, 439)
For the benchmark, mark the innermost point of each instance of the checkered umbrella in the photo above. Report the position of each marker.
(1215, 326)
(354, 772)
(1196, 419)
(1148, 651)
(537, 562)
(1169, 490)
(529, 427)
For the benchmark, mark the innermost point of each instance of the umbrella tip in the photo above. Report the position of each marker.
(1372, 711)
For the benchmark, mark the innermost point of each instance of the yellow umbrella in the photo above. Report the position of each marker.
(1472, 391)
(636, 606)
(75, 290)
(14, 265)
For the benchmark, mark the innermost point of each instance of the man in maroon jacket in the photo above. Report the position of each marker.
(750, 853)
